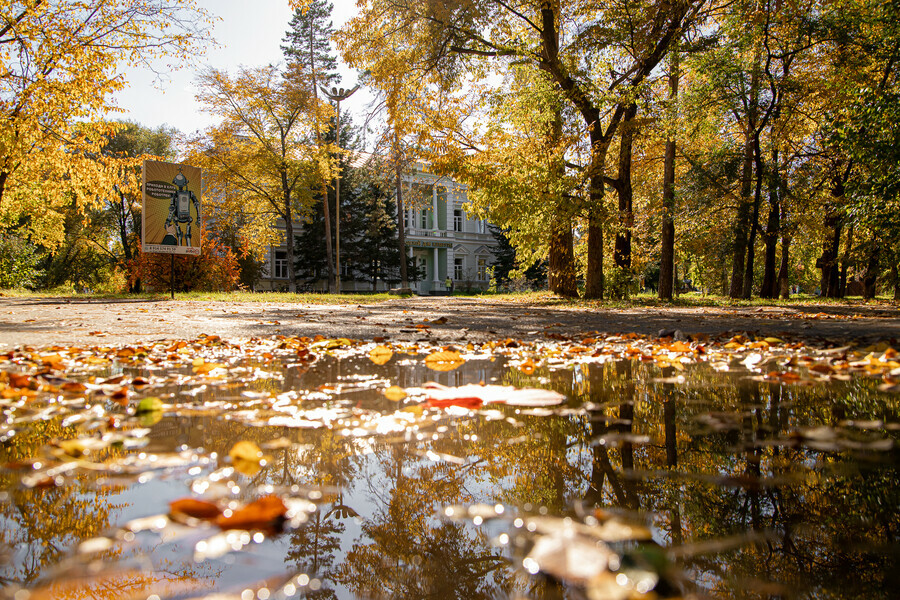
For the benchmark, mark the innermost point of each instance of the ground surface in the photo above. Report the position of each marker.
(61, 321)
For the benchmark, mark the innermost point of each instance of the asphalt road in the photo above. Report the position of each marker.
(41, 322)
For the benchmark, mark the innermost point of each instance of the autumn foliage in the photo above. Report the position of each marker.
(214, 269)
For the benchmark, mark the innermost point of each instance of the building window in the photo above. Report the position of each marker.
(424, 219)
(457, 220)
(482, 269)
(458, 268)
(280, 264)
(405, 219)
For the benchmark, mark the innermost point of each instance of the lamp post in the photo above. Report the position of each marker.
(337, 94)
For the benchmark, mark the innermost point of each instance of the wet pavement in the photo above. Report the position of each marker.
(79, 321)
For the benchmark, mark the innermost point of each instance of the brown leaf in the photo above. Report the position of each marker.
(198, 509)
(73, 387)
(266, 513)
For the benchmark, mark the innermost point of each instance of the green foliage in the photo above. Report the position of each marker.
(621, 282)
(508, 273)
(19, 261)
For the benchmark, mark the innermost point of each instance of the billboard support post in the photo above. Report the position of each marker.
(172, 276)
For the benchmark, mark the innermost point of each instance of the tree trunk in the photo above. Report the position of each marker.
(895, 275)
(4, 176)
(622, 252)
(742, 220)
(329, 252)
(288, 216)
(871, 277)
(593, 282)
(783, 274)
(773, 230)
(829, 282)
(561, 274)
(593, 279)
(401, 228)
(561, 270)
(747, 287)
(667, 236)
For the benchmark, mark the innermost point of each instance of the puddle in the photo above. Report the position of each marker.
(591, 468)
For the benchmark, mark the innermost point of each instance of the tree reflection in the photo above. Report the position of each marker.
(406, 551)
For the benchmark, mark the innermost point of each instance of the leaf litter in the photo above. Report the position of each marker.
(108, 400)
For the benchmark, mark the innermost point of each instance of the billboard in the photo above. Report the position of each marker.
(171, 213)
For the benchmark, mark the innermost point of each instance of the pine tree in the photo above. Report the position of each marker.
(312, 24)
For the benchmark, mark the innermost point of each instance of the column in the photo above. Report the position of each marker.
(436, 269)
(434, 216)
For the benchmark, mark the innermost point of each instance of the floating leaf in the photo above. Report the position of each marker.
(395, 393)
(380, 355)
(148, 405)
(444, 360)
(197, 509)
(266, 513)
(245, 450)
(466, 395)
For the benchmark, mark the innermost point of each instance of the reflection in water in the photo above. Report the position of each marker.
(715, 484)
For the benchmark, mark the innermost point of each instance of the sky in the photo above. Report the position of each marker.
(248, 33)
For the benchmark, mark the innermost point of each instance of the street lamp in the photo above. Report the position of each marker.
(337, 94)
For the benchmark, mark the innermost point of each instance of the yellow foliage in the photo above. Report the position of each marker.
(60, 67)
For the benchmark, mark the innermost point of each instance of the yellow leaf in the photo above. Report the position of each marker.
(395, 393)
(445, 360)
(380, 355)
(774, 340)
(245, 450)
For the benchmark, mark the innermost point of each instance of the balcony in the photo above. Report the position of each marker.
(430, 233)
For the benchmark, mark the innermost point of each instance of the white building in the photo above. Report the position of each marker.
(443, 239)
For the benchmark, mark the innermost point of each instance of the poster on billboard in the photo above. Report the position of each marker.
(171, 214)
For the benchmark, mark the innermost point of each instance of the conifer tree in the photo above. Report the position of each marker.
(311, 27)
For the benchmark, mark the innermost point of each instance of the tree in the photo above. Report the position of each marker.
(18, 262)
(307, 44)
(506, 267)
(453, 42)
(310, 64)
(262, 163)
(125, 152)
(60, 60)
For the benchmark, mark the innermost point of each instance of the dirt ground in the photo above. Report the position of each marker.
(42, 322)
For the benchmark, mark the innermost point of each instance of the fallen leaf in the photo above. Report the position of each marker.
(266, 513)
(380, 355)
(491, 394)
(191, 507)
(148, 405)
(395, 393)
(246, 450)
(445, 360)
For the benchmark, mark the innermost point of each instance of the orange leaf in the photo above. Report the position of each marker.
(445, 360)
(198, 509)
(470, 403)
(265, 513)
(679, 347)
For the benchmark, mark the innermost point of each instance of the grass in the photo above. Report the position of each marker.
(300, 298)
(534, 298)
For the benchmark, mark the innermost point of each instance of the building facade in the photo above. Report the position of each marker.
(447, 244)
